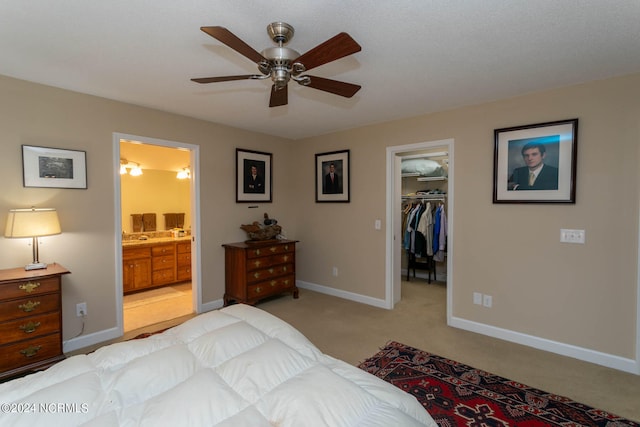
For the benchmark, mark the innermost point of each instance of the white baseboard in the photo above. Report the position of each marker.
(380, 303)
(580, 353)
(113, 333)
(90, 339)
(585, 354)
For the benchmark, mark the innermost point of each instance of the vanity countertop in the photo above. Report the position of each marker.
(155, 240)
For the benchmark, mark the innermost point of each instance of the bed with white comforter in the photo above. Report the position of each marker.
(238, 366)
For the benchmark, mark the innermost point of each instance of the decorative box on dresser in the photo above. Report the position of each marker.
(30, 319)
(260, 269)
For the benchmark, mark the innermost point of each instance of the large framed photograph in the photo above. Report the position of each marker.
(536, 163)
(253, 176)
(53, 167)
(332, 177)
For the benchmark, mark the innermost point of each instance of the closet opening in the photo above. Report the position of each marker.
(419, 217)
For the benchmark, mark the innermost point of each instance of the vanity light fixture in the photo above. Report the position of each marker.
(32, 223)
(185, 173)
(132, 168)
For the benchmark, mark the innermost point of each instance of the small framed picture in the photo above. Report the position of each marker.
(536, 163)
(53, 167)
(332, 177)
(253, 176)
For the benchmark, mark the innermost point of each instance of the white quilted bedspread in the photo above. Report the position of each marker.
(235, 367)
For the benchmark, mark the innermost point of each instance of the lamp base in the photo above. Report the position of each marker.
(35, 266)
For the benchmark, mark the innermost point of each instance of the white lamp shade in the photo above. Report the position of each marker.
(32, 223)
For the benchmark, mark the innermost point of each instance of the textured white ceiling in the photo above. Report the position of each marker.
(418, 56)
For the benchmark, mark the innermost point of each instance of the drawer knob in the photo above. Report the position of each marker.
(29, 327)
(284, 268)
(258, 290)
(273, 283)
(29, 286)
(257, 251)
(286, 257)
(286, 247)
(256, 274)
(29, 306)
(30, 351)
(273, 249)
(257, 263)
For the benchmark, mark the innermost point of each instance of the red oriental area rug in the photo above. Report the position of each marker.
(460, 395)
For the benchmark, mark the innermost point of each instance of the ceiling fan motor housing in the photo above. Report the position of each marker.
(280, 64)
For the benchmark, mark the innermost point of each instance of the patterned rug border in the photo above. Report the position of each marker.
(398, 364)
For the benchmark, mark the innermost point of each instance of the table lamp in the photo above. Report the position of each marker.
(32, 223)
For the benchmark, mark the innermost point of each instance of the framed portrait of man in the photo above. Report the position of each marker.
(332, 176)
(536, 163)
(253, 176)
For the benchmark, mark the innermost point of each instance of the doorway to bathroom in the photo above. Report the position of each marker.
(157, 214)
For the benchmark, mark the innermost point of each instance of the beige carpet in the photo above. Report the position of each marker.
(156, 305)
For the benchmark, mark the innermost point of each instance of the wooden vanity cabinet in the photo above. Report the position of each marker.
(163, 264)
(136, 268)
(183, 261)
(150, 265)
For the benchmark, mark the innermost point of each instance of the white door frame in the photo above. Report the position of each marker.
(196, 277)
(393, 249)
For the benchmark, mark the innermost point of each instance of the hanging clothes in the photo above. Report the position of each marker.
(442, 236)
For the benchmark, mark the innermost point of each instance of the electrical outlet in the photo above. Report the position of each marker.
(487, 301)
(477, 298)
(335, 271)
(571, 236)
(81, 309)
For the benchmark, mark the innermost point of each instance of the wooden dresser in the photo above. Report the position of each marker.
(257, 270)
(30, 319)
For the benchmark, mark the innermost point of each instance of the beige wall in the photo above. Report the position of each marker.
(582, 295)
(44, 116)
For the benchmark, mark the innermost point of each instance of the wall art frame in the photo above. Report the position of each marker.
(254, 176)
(548, 150)
(53, 167)
(333, 181)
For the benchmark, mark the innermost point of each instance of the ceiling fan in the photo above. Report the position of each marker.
(282, 64)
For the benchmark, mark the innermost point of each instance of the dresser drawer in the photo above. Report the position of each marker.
(270, 287)
(184, 273)
(184, 259)
(269, 250)
(160, 250)
(134, 253)
(183, 247)
(160, 277)
(26, 352)
(162, 262)
(267, 273)
(31, 287)
(30, 327)
(25, 307)
(268, 261)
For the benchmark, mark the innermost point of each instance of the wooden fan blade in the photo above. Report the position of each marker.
(278, 97)
(227, 37)
(333, 86)
(223, 78)
(336, 47)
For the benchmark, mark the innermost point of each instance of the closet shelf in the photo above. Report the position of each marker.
(425, 197)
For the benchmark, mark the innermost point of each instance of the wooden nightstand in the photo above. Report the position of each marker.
(30, 319)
